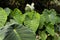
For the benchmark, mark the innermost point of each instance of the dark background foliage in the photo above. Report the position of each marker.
(40, 5)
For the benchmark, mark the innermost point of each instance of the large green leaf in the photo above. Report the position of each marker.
(32, 20)
(50, 29)
(18, 16)
(14, 31)
(3, 33)
(19, 32)
(4, 30)
(3, 17)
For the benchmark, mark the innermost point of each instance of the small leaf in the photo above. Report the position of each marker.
(57, 19)
(43, 35)
(50, 29)
(8, 11)
(52, 16)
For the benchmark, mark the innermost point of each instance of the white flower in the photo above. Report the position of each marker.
(31, 7)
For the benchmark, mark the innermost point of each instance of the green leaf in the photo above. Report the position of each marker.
(8, 11)
(3, 17)
(19, 32)
(43, 35)
(32, 20)
(42, 20)
(30, 14)
(50, 29)
(46, 12)
(18, 16)
(45, 15)
(32, 24)
(52, 16)
(2, 33)
(4, 30)
(57, 19)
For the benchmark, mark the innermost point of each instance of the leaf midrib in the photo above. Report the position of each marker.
(17, 34)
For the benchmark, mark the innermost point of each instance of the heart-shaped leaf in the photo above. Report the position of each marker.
(32, 20)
